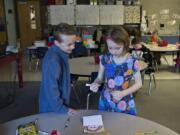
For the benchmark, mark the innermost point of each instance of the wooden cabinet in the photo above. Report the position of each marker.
(61, 13)
(132, 14)
(111, 14)
(3, 32)
(94, 14)
(87, 15)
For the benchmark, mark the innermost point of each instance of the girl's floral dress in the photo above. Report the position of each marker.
(118, 77)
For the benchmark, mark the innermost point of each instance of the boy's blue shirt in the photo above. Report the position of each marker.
(55, 85)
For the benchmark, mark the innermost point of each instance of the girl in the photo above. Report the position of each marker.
(118, 67)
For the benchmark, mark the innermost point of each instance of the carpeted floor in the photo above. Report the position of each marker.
(162, 106)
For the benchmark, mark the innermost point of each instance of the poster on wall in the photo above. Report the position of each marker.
(164, 11)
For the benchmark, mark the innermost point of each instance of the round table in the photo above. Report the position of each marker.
(84, 66)
(171, 48)
(156, 48)
(114, 123)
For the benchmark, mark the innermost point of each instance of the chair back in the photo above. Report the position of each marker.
(41, 51)
(79, 50)
(93, 77)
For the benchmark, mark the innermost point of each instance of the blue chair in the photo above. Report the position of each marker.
(92, 78)
(40, 53)
(79, 50)
(74, 79)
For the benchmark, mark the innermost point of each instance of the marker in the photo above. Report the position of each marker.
(87, 84)
(43, 132)
(146, 133)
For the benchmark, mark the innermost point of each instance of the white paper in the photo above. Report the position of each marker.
(92, 120)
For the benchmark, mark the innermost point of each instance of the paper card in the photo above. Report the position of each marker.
(93, 124)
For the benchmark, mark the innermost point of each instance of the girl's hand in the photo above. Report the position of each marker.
(94, 87)
(117, 95)
(72, 112)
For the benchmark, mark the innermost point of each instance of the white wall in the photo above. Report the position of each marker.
(10, 20)
(155, 6)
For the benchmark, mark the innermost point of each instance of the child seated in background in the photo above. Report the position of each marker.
(177, 59)
(155, 39)
(140, 52)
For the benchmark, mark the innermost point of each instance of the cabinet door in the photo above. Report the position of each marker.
(132, 14)
(29, 22)
(87, 15)
(111, 14)
(61, 13)
(3, 33)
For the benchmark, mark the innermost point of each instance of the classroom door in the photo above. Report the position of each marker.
(29, 22)
(3, 33)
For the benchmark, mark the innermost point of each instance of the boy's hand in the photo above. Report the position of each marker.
(72, 112)
(117, 95)
(94, 87)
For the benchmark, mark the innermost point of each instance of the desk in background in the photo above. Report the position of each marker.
(172, 39)
(33, 52)
(7, 59)
(84, 66)
(114, 123)
(171, 48)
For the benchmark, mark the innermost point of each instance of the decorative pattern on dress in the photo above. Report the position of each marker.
(117, 77)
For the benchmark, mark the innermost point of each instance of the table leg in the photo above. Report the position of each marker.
(20, 70)
(30, 58)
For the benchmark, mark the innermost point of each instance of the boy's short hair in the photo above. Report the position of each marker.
(135, 40)
(63, 28)
(119, 35)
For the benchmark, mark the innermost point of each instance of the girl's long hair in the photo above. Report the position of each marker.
(119, 36)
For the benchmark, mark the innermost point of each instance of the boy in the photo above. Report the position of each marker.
(140, 52)
(55, 84)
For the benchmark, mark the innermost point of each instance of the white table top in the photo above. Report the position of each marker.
(156, 48)
(35, 47)
(114, 123)
(32, 47)
(86, 65)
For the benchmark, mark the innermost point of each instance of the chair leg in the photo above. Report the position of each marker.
(164, 57)
(37, 64)
(154, 80)
(30, 66)
(87, 101)
(177, 68)
(150, 85)
(75, 93)
(155, 65)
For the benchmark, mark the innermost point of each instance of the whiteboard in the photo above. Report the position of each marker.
(87, 15)
(61, 13)
(111, 14)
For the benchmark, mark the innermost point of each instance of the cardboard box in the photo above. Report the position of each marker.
(59, 2)
(119, 2)
(110, 2)
(102, 2)
(51, 2)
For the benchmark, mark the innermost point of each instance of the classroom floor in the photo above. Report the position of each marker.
(162, 106)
